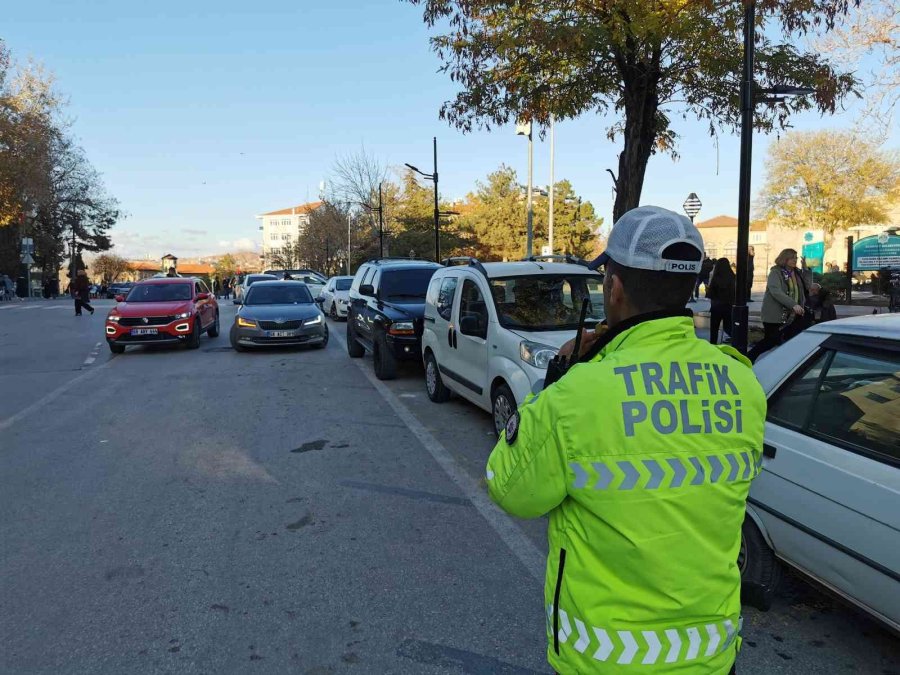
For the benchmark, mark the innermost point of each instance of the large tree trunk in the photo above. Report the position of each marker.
(641, 103)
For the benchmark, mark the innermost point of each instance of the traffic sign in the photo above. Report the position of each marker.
(692, 205)
(27, 259)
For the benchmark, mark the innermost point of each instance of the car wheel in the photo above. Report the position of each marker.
(116, 349)
(324, 342)
(333, 311)
(760, 569)
(354, 349)
(194, 341)
(213, 331)
(434, 385)
(385, 361)
(503, 405)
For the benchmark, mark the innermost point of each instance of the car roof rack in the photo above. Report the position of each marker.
(467, 260)
(566, 258)
(398, 259)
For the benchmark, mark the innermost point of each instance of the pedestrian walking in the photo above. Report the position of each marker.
(81, 291)
(721, 291)
(642, 454)
(783, 313)
(217, 287)
(226, 288)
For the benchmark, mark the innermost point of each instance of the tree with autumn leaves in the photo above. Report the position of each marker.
(647, 62)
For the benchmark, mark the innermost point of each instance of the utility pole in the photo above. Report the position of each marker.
(349, 216)
(380, 223)
(529, 232)
(437, 213)
(552, 186)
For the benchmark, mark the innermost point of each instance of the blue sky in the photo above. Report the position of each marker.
(202, 114)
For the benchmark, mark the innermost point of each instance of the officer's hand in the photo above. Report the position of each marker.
(588, 338)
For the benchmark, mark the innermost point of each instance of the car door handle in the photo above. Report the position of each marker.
(769, 451)
(429, 319)
(450, 337)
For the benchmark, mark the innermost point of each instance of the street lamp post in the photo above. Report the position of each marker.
(552, 187)
(524, 129)
(740, 312)
(433, 177)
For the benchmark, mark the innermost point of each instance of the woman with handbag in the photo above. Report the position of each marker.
(783, 304)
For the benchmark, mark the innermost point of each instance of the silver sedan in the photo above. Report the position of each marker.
(278, 313)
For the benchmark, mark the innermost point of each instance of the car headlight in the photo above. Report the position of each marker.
(183, 315)
(536, 354)
(243, 323)
(114, 318)
(315, 320)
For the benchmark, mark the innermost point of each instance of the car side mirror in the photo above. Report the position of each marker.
(320, 300)
(120, 298)
(367, 289)
(203, 296)
(238, 302)
(471, 325)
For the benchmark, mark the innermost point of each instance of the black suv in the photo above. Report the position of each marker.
(387, 303)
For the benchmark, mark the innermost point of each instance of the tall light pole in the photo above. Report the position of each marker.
(741, 313)
(552, 187)
(524, 129)
(433, 177)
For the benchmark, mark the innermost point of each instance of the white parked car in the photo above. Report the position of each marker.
(491, 329)
(827, 501)
(336, 297)
(248, 281)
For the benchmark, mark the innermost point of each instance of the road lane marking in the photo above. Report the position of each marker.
(522, 547)
(42, 402)
(93, 355)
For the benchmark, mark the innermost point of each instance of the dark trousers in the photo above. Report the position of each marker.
(79, 303)
(719, 315)
(771, 338)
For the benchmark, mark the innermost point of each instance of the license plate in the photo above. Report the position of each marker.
(280, 333)
(145, 331)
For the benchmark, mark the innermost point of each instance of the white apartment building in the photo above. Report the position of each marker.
(282, 228)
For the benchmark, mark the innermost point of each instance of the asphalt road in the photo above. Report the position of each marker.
(173, 511)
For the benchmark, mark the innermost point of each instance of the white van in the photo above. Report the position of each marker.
(491, 328)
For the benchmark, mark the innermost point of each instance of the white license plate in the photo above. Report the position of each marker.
(145, 331)
(281, 333)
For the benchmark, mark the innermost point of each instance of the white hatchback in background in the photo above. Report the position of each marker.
(336, 297)
(491, 328)
(827, 501)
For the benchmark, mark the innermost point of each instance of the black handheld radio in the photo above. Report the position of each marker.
(559, 365)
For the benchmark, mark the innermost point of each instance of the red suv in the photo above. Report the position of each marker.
(168, 310)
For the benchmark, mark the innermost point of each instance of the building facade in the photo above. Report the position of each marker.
(281, 229)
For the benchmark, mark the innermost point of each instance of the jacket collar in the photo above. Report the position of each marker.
(614, 337)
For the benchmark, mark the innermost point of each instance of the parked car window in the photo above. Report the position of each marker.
(791, 405)
(198, 289)
(858, 402)
(444, 302)
(159, 293)
(342, 285)
(472, 306)
(434, 288)
(287, 294)
(367, 278)
(547, 302)
(405, 285)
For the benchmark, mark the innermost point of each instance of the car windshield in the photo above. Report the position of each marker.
(285, 294)
(343, 284)
(159, 293)
(547, 302)
(405, 285)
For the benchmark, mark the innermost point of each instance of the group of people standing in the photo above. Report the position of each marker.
(222, 288)
(790, 303)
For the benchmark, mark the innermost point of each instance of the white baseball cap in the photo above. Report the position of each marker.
(641, 235)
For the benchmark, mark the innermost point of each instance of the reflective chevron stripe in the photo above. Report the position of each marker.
(663, 473)
(646, 647)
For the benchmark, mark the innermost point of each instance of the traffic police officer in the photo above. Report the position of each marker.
(642, 454)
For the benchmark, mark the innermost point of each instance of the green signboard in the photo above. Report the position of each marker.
(873, 253)
(813, 255)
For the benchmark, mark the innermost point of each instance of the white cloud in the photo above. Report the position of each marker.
(242, 244)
